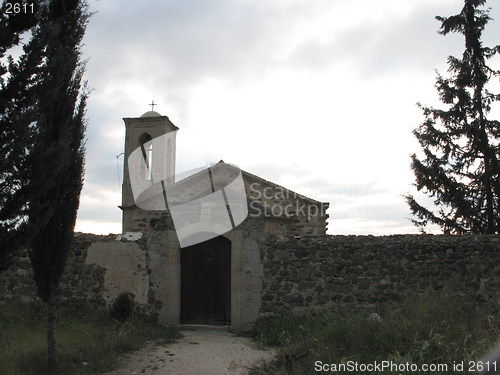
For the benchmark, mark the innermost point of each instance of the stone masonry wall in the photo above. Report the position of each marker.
(366, 271)
(296, 272)
(98, 269)
(80, 282)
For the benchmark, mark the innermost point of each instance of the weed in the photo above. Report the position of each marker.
(89, 341)
(426, 329)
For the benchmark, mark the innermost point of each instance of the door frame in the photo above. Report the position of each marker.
(215, 275)
(170, 313)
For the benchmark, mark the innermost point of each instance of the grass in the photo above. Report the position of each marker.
(89, 341)
(426, 329)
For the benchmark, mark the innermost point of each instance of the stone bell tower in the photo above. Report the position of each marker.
(139, 133)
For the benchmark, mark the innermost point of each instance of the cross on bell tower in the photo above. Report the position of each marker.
(152, 104)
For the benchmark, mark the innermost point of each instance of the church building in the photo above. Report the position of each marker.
(216, 281)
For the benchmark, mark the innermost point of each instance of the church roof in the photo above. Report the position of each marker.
(247, 175)
(255, 177)
(151, 114)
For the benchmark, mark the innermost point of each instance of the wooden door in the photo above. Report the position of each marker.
(206, 283)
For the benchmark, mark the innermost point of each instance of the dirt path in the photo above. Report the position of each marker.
(204, 351)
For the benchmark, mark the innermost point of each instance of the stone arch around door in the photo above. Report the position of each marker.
(164, 255)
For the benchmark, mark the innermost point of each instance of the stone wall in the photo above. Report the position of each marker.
(272, 273)
(366, 271)
(98, 269)
(80, 282)
(284, 212)
(246, 272)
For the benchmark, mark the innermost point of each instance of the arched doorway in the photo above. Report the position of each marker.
(206, 282)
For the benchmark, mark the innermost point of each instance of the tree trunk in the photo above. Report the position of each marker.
(51, 334)
(490, 213)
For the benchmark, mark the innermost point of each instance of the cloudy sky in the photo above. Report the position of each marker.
(316, 95)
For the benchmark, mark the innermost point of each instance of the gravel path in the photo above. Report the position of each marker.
(207, 351)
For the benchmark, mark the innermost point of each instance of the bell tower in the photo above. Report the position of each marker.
(139, 134)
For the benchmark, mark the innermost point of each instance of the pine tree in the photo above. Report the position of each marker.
(56, 161)
(460, 169)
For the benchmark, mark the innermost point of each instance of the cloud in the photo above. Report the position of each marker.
(180, 42)
(100, 205)
(376, 215)
(384, 45)
(317, 96)
(377, 228)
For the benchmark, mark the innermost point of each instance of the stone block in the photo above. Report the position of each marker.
(283, 255)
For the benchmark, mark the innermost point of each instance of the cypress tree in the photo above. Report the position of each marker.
(17, 115)
(56, 161)
(460, 168)
(42, 114)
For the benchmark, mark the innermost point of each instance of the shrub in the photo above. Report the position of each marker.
(122, 307)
